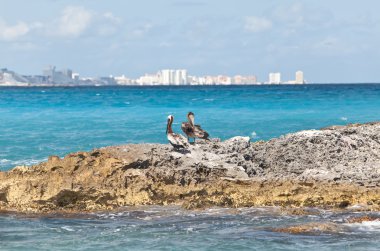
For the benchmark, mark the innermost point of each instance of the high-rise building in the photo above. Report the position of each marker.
(49, 71)
(166, 77)
(68, 73)
(180, 77)
(173, 77)
(274, 78)
(299, 78)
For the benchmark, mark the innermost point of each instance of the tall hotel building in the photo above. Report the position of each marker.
(299, 78)
(173, 77)
(274, 78)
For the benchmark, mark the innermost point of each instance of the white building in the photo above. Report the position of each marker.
(180, 77)
(76, 75)
(274, 78)
(148, 79)
(166, 77)
(223, 80)
(299, 78)
(173, 77)
(244, 80)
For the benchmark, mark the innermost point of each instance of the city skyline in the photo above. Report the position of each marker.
(333, 41)
(65, 77)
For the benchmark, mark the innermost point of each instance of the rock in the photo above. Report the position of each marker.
(362, 219)
(237, 143)
(335, 167)
(310, 228)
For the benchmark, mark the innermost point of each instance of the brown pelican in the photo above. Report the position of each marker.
(176, 140)
(192, 130)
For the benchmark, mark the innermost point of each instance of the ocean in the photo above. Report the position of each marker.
(171, 228)
(37, 122)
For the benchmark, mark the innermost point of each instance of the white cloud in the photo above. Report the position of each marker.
(24, 46)
(165, 44)
(328, 42)
(292, 15)
(14, 31)
(107, 23)
(74, 21)
(111, 17)
(257, 24)
(142, 30)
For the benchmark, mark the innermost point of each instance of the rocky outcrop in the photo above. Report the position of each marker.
(328, 227)
(331, 167)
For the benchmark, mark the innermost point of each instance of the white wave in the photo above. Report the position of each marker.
(366, 226)
(189, 229)
(254, 135)
(68, 229)
(4, 161)
(26, 162)
(344, 118)
(98, 94)
(209, 99)
(127, 103)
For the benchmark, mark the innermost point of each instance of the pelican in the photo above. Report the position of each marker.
(176, 140)
(192, 130)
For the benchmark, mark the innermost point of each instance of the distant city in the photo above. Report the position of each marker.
(66, 77)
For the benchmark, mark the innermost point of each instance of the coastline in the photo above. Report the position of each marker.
(162, 85)
(333, 168)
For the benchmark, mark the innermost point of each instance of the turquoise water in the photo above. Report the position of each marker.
(170, 228)
(38, 122)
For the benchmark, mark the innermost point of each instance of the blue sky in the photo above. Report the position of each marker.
(330, 40)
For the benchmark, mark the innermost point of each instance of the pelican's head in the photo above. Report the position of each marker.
(190, 117)
(170, 120)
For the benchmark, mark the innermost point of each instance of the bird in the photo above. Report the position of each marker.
(176, 140)
(193, 131)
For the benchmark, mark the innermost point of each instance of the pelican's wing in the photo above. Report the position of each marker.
(200, 133)
(177, 140)
(188, 129)
(181, 140)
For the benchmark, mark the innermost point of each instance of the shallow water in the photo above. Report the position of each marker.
(38, 122)
(171, 228)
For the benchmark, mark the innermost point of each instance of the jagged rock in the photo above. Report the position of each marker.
(333, 167)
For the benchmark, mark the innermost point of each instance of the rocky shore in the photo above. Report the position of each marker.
(335, 167)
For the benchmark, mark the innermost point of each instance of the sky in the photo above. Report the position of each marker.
(331, 41)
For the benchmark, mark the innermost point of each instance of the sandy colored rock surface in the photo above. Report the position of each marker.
(333, 167)
(325, 227)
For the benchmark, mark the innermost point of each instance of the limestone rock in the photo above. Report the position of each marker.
(333, 167)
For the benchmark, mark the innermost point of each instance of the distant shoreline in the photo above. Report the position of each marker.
(85, 86)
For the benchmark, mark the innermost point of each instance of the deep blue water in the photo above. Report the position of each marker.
(38, 122)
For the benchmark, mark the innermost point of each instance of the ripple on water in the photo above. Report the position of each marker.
(154, 227)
